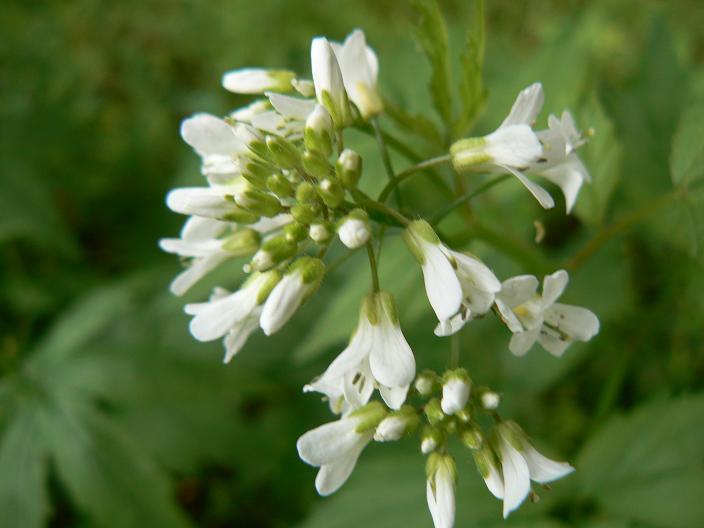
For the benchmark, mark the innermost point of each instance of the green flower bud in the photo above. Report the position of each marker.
(433, 412)
(258, 202)
(331, 192)
(427, 383)
(273, 251)
(306, 193)
(271, 279)
(319, 131)
(349, 168)
(295, 231)
(279, 185)
(397, 424)
(242, 242)
(306, 213)
(369, 416)
(240, 216)
(255, 171)
(283, 152)
(431, 439)
(471, 436)
(316, 164)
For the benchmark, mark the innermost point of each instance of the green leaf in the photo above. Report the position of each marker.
(105, 472)
(646, 466)
(23, 472)
(431, 34)
(602, 157)
(687, 161)
(416, 124)
(472, 91)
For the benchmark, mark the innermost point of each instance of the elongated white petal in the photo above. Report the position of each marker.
(209, 202)
(293, 107)
(475, 272)
(257, 80)
(514, 145)
(198, 228)
(495, 482)
(329, 85)
(441, 283)
(208, 134)
(577, 322)
(185, 248)
(198, 269)
(333, 475)
(394, 397)
(240, 332)
(452, 325)
(282, 303)
(543, 469)
(569, 176)
(522, 342)
(359, 67)
(553, 343)
(526, 107)
(517, 290)
(358, 386)
(516, 477)
(218, 318)
(328, 442)
(540, 194)
(441, 502)
(553, 286)
(391, 358)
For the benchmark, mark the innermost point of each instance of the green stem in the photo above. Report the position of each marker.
(454, 351)
(488, 184)
(626, 221)
(401, 176)
(385, 157)
(372, 265)
(366, 200)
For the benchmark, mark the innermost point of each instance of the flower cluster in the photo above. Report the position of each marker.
(281, 188)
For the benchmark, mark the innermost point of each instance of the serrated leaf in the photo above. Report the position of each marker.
(602, 157)
(687, 160)
(472, 91)
(646, 466)
(23, 472)
(431, 34)
(105, 472)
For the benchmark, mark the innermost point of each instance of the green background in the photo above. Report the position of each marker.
(112, 415)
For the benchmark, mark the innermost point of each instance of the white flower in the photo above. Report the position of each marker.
(459, 286)
(360, 67)
(211, 202)
(354, 229)
(335, 447)
(397, 424)
(514, 147)
(246, 113)
(234, 315)
(378, 355)
(208, 134)
(301, 280)
(257, 80)
(440, 489)
(532, 317)
(329, 86)
(520, 463)
(455, 392)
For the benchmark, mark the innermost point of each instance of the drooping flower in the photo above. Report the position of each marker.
(459, 286)
(301, 280)
(441, 472)
(329, 86)
(360, 67)
(335, 447)
(520, 463)
(533, 317)
(378, 356)
(232, 315)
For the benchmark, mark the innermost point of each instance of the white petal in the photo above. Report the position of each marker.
(208, 134)
(553, 343)
(514, 145)
(517, 290)
(474, 271)
(293, 107)
(495, 482)
(526, 107)
(198, 269)
(236, 339)
(540, 194)
(441, 503)
(507, 316)
(577, 322)
(569, 176)
(200, 201)
(522, 342)
(441, 283)
(455, 394)
(543, 469)
(200, 248)
(264, 225)
(327, 75)
(333, 475)
(328, 442)
(219, 317)
(451, 326)
(553, 286)
(256, 80)
(358, 386)
(282, 303)
(394, 397)
(198, 228)
(516, 477)
(391, 358)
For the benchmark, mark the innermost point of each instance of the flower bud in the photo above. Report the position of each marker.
(331, 192)
(490, 400)
(306, 193)
(455, 391)
(242, 242)
(255, 171)
(273, 251)
(471, 437)
(316, 164)
(329, 86)
(431, 438)
(279, 185)
(319, 131)
(433, 412)
(427, 383)
(304, 87)
(295, 231)
(320, 233)
(349, 168)
(283, 152)
(369, 416)
(306, 213)
(258, 202)
(257, 80)
(354, 229)
(397, 424)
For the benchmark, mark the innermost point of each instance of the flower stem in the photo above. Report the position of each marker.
(401, 176)
(488, 184)
(372, 265)
(454, 361)
(385, 157)
(365, 200)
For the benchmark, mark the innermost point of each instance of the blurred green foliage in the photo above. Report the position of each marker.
(111, 415)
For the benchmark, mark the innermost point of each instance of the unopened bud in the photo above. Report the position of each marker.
(354, 230)
(331, 192)
(471, 437)
(427, 383)
(431, 438)
(319, 131)
(320, 233)
(242, 242)
(306, 213)
(283, 152)
(255, 171)
(272, 252)
(455, 391)
(490, 400)
(258, 202)
(433, 411)
(316, 164)
(369, 416)
(295, 231)
(279, 185)
(397, 424)
(349, 168)
(306, 193)
(304, 87)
